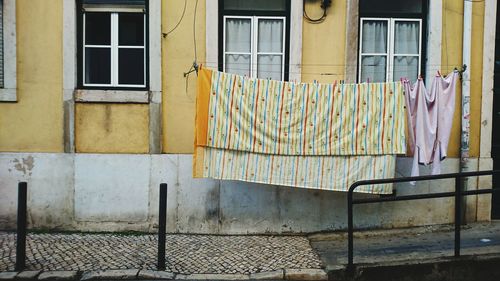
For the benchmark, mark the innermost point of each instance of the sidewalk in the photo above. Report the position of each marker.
(188, 256)
(423, 253)
(218, 257)
(401, 245)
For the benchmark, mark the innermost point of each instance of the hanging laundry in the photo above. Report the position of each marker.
(285, 118)
(335, 173)
(311, 135)
(430, 117)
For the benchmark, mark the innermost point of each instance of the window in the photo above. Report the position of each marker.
(113, 44)
(254, 41)
(8, 73)
(390, 45)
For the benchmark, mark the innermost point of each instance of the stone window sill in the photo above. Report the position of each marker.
(111, 96)
(8, 95)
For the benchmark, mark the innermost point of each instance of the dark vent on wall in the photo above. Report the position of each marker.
(391, 7)
(114, 2)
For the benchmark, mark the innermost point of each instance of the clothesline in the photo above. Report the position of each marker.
(312, 64)
(318, 73)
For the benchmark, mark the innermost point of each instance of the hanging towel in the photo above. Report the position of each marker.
(430, 117)
(335, 173)
(310, 135)
(285, 118)
(446, 105)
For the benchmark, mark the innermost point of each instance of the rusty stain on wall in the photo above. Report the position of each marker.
(107, 118)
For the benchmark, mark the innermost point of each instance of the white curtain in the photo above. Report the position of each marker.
(373, 67)
(238, 40)
(405, 67)
(270, 40)
(406, 37)
(269, 66)
(270, 53)
(406, 41)
(238, 64)
(270, 35)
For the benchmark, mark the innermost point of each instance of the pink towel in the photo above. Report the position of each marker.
(430, 118)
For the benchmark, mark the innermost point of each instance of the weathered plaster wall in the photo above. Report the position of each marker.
(178, 56)
(50, 195)
(35, 122)
(120, 192)
(476, 72)
(111, 128)
(452, 57)
(117, 192)
(323, 45)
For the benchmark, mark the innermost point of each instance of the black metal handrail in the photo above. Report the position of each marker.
(458, 193)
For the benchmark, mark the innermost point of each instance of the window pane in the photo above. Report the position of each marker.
(406, 37)
(374, 36)
(131, 29)
(405, 67)
(238, 35)
(260, 5)
(373, 68)
(97, 28)
(390, 6)
(131, 66)
(269, 66)
(238, 64)
(97, 65)
(270, 35)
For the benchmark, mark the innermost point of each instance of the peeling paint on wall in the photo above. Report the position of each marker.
(25, 165)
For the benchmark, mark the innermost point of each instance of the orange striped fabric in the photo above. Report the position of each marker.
(310, 135)
(285, 118)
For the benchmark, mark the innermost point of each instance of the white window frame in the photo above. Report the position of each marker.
(389, 75)
(254, 37)
(115, 47)
(9, 91)
(152, 95)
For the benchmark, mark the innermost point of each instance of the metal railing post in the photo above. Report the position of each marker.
(21, 226)
(162, 226)
(458, 213)
(350, 238)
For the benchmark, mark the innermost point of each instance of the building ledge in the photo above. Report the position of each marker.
(111, 96)
(8, 95)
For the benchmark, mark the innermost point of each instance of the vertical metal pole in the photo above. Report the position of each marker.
(458, 214)
(162, 226)
(350, 238)
(21, 227)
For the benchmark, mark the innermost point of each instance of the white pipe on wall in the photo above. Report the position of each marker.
(465, 124)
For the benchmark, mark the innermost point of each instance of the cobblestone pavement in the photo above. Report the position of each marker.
(186, 254)
(423, 243)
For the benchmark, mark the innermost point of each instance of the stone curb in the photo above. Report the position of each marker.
(127, 274)
(269, 275)
(118, 274)
(213, 277)
(28, 275)
(8, 275)
(306, 274)
(58, 275)
(156, 275)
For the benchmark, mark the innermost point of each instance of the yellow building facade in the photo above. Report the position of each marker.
(53, 115)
